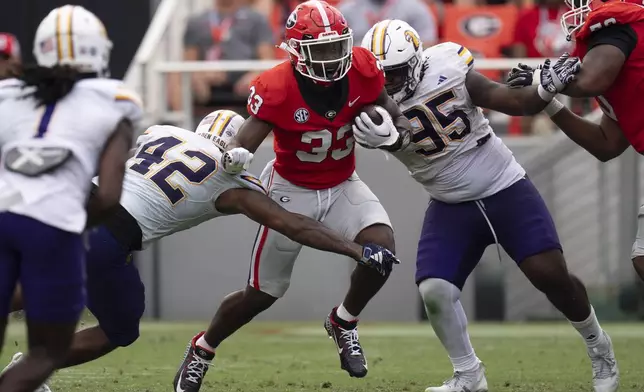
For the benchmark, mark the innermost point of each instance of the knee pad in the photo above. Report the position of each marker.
(438, 294)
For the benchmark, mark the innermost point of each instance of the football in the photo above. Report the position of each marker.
(373, 115)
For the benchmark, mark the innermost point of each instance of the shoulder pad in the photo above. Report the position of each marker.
(270, 84)
(269, 90)
(161, 129)
(609, 14)
(451, 55)
(127, 101)
(366, 63)
(155, 132)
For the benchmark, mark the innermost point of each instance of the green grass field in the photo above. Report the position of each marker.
(298, 357)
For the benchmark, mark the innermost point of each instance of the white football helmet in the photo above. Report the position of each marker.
(220, 126)
(399, 48)
(71, 35)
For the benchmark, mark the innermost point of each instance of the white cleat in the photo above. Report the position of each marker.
(14, 360)
(605, 370)
(470, 381)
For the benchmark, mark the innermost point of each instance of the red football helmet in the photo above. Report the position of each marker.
(318, 41)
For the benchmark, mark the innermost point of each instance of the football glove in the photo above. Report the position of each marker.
(520, 76)
(379, 258)
(236, 160)
(369, 134)
(555, 78)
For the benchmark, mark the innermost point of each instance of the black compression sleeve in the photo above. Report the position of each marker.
(621, 36)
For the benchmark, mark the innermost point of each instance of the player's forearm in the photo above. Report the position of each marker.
(488, 94)
(580, 90)
(251, 134)
(311, 233)
(588, 135)
(587, 85)
(518, 101)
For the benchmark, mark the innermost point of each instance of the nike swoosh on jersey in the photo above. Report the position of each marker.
(351, 103)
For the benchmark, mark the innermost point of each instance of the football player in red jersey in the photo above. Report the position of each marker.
(309, 102)
(606, 35)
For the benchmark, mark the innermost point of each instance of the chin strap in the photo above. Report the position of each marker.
(288, 49)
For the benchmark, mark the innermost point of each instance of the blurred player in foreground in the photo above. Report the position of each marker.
(607, 35)
(49, 154)
(309, 104)
(174, 182)
(10, 59)
(480, 195)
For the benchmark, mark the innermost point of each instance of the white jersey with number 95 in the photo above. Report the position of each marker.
(454, 152)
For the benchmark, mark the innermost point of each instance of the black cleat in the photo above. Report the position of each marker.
(193, 368)
(345, 335)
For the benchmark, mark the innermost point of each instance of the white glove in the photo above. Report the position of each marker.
(371, 135)
(236, 160)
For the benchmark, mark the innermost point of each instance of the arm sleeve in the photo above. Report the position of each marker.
(458, 56)
(621, 36)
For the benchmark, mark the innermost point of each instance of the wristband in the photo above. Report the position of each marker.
(545, 94)
(553, 107)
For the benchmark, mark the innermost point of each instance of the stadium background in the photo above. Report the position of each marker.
(594, 204)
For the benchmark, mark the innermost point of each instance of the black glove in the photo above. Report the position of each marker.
(379, 258)
(520, 76)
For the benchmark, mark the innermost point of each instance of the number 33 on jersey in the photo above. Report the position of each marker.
(314, 146)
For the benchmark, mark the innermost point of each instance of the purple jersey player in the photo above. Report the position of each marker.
(479, 194)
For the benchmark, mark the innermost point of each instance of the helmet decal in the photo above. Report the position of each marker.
(411, 36)
(292, 19)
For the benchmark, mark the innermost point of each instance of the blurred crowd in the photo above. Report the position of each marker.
(251, 29)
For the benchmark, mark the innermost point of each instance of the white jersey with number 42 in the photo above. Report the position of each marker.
(172, 182)
(454, 152)
(74, 129)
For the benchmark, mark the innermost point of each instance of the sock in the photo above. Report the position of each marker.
(446, 314)
(590, 330)
(344, 314)
(201, 342)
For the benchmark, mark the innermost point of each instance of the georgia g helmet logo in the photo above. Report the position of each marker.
(290, 22)
(410, 36)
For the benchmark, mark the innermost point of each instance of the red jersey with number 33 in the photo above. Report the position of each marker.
(623, 99)
(314, 150)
